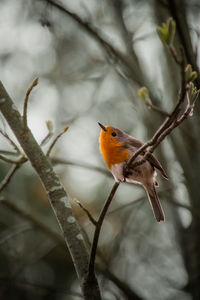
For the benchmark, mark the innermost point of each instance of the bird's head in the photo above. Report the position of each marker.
(111, 141)
(111, 135)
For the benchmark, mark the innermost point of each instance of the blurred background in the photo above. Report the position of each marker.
(91, 58)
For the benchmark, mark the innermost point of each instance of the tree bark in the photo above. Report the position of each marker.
(56, 194)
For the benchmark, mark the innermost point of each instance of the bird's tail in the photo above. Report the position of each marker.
(155, 203)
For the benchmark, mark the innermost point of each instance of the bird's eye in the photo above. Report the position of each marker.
(114, 134)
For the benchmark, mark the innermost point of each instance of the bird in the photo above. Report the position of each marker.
(117, 147)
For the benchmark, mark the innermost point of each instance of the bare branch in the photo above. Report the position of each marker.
(155, 142)
(46, 139)
(94, 222)
(143, 93)
(158, 109)
(174, 55)
(11, 172)
(10, 141)
(62, 161)
(98, 229)
(34, 83)
(8, 177)
(8, 160)
(49, 134)
(9, 152)
(55, 140)
(166, 127)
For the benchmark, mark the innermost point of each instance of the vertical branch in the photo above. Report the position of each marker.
(98, 229)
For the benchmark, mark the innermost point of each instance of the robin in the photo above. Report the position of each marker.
(117, 148)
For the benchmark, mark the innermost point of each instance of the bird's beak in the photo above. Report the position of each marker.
(103, 127)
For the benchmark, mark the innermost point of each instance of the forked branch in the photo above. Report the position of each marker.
(170, 123)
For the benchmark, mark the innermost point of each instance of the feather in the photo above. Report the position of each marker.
(135, 143)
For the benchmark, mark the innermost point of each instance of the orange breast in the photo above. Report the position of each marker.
(113, 153)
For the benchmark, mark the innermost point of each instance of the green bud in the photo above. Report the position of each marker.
(163, 33)
(189, 74)
(193, 93)
(35, 82)
(167, 31)
(143, 93)
(193, 76)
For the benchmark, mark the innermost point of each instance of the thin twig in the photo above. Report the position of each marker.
(166, 127)
(46, 139)
(34, 83)
(149, 143)
(10, 141)
(98, 229)
(8, 152)
(49, 134)
(62, 161)
(158, 109)
(55, 140)
(8, 160)
(8, 177)
(94, 222)
(187, 112)
(11, 172)
(174, 55)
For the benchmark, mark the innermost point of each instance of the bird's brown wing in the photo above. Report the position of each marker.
(133, 142)
(154, 162)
